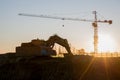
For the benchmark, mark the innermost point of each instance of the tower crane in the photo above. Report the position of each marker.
(94, 24)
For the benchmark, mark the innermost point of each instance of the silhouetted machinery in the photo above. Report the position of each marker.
(41, 47)
(94, 24)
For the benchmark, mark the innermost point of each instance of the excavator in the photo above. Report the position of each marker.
(41, 47)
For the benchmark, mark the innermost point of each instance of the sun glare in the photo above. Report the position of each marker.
(106, 43)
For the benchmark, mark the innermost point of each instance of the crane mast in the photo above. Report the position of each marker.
(94, 24)
(95, 33)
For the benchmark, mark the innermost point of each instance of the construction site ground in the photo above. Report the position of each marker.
(68, 68)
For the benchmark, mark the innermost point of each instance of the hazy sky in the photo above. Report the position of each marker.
(15, 29)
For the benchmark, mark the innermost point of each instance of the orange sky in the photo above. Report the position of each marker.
(16, 29)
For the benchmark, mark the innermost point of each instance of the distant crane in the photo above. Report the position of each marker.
(94, 24)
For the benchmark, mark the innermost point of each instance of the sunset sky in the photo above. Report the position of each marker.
(15, 29)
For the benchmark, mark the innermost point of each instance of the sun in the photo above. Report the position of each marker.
(106, 43)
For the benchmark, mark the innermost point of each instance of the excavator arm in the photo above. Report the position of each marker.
(56, 39)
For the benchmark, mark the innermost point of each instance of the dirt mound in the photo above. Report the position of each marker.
(72, 68)
(50, 69)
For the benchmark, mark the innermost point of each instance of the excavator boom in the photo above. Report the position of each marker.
(56, 39)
